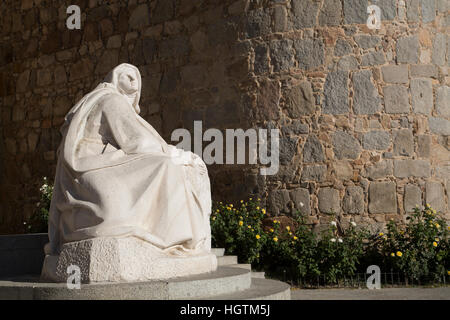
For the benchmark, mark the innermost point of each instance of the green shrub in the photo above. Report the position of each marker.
(418, 250)
(39, 220)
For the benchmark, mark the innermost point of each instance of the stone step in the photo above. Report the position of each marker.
(258, 274)
(261, 289)
(219, 252)
(226, 260)
(246, 266)
(224, 281)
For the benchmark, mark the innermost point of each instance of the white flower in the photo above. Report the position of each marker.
(340, 240)
(301, 204)
(333, 240)
(333, 223)
(353, 223)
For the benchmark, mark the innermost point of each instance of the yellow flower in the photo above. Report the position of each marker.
(257, 208)
(241, 223)
(258, 236)
(250, 199)
(448, 228)
(288, 228)
(275, 239)
(434, 244)
(436, 239)
(271, 230)
(448, 272)
(231, 205)
(392, 254)
(259, 199)
(217, 210)
(242, 201)
(427, 205)
(263, 211)
(249, 226)
(437, 225)
(214, 218)
(295, 238)
(399, 253)
(381, 234)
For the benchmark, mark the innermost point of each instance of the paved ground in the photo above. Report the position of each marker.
(442, 293)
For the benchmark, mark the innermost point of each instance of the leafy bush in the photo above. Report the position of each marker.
(39, 220)
(419, 249)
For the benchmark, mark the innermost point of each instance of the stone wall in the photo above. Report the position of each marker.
(364, 114)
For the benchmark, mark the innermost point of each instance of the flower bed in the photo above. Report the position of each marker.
(418, 250)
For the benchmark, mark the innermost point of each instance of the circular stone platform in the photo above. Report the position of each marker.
(225, 283)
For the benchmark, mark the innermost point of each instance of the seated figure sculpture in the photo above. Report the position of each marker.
(126, 205)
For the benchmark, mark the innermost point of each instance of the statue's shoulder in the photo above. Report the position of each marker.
(112, 102)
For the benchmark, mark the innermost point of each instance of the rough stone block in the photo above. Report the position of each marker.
(412, 197)
(309, 53)
(367, 41)
(342, 48)
(123, 260)
(366, 99)
(295, 128)
(261, 64)
(288, 148)
(329, 200)
(257, 23)
(379, 170)
(345, 146)
(300, 100)
(395, 74)
(348, 63)
(315, 173)
(408, 49)
(435, 196)
(313, 150)
(412, 10)
(388, 9)
(343, 169)
(439, 126)
(281, 53)
(412, 168)
(376, 140)
(300, 200)
(373, 59)
(443, 101)
(382, 197)
(336, 93)
(424, 71)
(422, 95)
(304, 13)
(353, 202)
(428, 10)
(403, 142)
(278, 201)
(424, 146)
(396, 99)
(330, 13)
(439, 49)
(355, 11)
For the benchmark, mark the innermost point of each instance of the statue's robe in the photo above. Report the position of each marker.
(117, 177)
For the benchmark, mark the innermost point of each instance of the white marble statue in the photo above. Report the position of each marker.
(124, 196)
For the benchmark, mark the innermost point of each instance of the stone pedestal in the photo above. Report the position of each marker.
(122, 260)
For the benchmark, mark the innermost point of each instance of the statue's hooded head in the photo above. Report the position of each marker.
(126, 78)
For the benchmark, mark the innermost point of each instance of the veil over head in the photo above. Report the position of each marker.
(131, 71)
